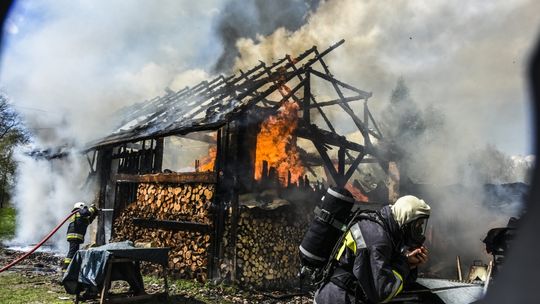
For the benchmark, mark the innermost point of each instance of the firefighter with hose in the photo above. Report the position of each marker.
(78, 223)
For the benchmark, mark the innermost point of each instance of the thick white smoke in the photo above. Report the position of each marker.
(67, 65)
(70, 64)
(464, 66)
(44, 195)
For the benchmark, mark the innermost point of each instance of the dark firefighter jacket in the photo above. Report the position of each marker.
(370, 267)
(79, 222)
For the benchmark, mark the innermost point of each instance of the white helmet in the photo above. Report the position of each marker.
(79, 205)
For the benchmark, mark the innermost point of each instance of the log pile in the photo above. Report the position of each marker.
(267, 247)
(188, 257)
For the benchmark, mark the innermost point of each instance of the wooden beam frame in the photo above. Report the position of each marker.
(173, 178)
(315, 134)
(172, 225)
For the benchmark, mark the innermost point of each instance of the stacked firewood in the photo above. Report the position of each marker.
(188, 257)
(267, 247)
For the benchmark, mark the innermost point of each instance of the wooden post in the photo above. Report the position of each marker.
(221, 198)
(103, 167)
(458, 264)
(264, 174)
(158, 155)
(393, 182)
(367, 140)
(106, 283)
(234, 174)
(246, 132)
(307, 98)
(289, 178)
(341, 162)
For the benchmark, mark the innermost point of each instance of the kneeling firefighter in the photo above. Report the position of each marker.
(78, 223)
(377, 253)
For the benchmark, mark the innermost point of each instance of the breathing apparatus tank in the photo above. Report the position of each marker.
(327, 227)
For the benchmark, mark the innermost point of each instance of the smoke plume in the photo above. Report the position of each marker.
(457, 111)
(248, 19)
(45, 193)
(68, 65)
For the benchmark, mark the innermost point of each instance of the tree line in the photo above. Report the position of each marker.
(12, 134)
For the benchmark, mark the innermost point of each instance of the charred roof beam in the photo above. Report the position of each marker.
(315, 134)
(231, 98)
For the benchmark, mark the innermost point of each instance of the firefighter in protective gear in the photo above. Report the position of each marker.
(378, 255)
(78, 223)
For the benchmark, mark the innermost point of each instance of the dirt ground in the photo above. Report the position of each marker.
(37, 280)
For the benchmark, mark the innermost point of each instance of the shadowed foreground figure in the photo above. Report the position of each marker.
(78, 223)
(380, 253)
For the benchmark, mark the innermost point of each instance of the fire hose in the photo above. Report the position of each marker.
(38, 245)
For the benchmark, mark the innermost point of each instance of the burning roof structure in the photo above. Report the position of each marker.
(250, 123)
(210, 105)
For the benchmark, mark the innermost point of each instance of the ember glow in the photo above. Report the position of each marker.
(357, 194)
(276, 144)
(207, 163)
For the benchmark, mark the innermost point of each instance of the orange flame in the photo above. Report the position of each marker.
(276, 144)
(207, 163)
(357, 194)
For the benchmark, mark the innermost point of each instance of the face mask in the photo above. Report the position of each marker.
(414, 232)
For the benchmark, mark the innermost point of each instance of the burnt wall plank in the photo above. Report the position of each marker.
(173, 178)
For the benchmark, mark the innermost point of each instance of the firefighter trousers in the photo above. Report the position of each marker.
(73, 248)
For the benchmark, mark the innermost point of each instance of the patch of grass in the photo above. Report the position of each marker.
(7, 223)
(16, 288)
(193, 292)
(21, 288)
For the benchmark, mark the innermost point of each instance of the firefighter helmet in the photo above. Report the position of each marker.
(412, 213)
(79, 205)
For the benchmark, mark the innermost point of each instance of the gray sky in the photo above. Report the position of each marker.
(78, 61)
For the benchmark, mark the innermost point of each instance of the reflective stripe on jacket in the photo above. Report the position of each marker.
(371, 253)
(78, 223)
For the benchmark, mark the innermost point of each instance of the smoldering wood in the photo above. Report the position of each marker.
(215, 255)
(353, 166)
(329, 165)
(158, 155)
(172, 225)
(366, 121)
(92, 161)
(314, 133)
(341, 161)
(307, 98)
(135, 110)
(173, 178)
(359, 124)
(374, 122)
(336, 82)
(305, 105)
(200, 137)
(335, 102)
(235, 107)
(221, 97)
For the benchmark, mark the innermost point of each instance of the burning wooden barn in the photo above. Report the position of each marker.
(217, 173)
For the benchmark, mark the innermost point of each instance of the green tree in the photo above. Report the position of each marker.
(403, 120)
(410, 129)
(12, 133)
(488, 165)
